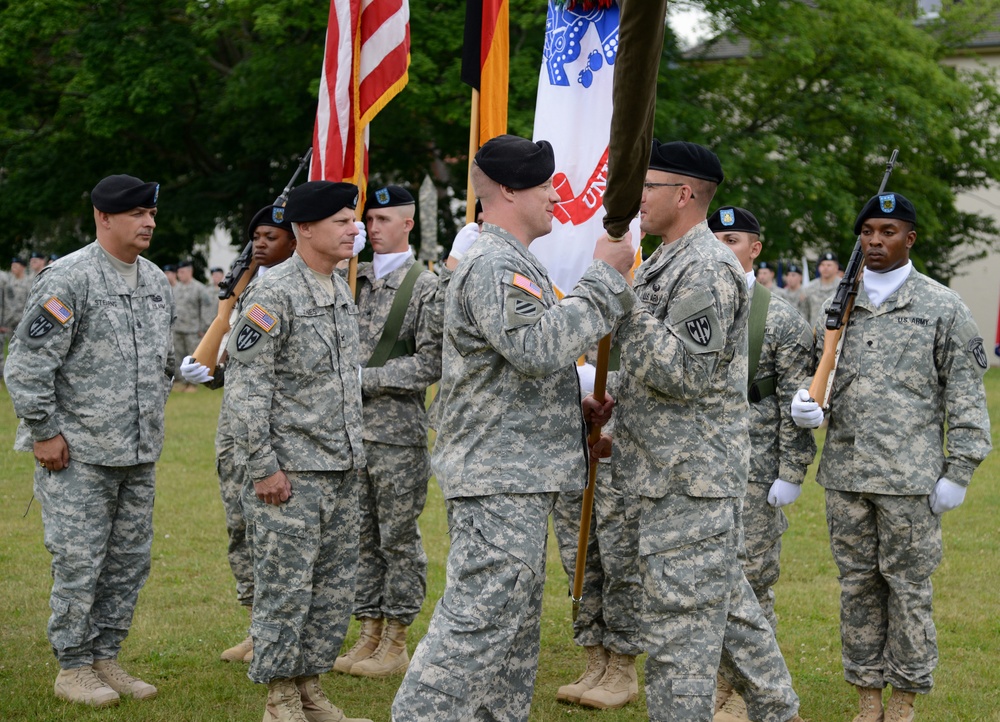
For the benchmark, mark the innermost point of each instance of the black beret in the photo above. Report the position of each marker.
(792, 268)
(215, 269)
(169, 268)
(764, 264)
(516, 162)
(829, 256)
(17, 259)
(731, 218)
(270, 216)
(389, 197)
(683, 158)
(37, 254)
(186, 263)
(53, 256)
(120, 193)
(316, 200)
(887, 205)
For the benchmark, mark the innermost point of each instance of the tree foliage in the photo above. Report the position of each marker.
(216, 100)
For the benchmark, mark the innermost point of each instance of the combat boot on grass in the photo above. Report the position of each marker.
(240, 652)
(618, 686)
(283, 702)
(900, 707)
(368, 641)
(597, 663)
(733, 710)
(83, 686)
(112, 674)
(869, 705)
(389, 658)
(315, 705)
(723, 691)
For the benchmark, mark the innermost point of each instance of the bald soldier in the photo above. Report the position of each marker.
(89, 372)
(400, 324)
(683, 442)
(295, 399)
(510, 436)
(912, 362)
(780, 358)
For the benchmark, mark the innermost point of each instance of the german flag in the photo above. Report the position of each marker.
(486, 61)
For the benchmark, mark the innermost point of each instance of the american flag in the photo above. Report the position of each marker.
(57, 309)
(355, 86)
(261, 317)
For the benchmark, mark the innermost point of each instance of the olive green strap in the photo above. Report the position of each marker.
(389, 346)
(758, 321)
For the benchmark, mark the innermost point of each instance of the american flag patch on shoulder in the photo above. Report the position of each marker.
(58, 309)
(259, 315)
(526, 284)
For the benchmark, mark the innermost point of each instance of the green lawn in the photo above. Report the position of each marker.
(187, 612)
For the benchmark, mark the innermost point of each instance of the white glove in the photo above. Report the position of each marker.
(806, 413)
(194, 372)
(946, 496)
(464, 240)
(586, 373)
(783, 493)
(360, 239)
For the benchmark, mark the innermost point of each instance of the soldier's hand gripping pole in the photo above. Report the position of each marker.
(587, 509)
(840, 312)
(230, 288)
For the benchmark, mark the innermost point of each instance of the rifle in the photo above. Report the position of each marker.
(233, 285)
(840, 312)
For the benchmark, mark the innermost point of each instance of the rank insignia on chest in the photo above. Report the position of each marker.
(526, 284)
(259, 315)
(58, 310)
(247, 337)
(700, 330)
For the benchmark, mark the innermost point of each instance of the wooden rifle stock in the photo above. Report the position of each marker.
(587, 509)
(207, 352)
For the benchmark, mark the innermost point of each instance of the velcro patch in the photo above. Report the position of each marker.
(523, 307)
(978, 352)
(700, 329)
(526, 284)
(247, 338)
(58, 310)
(260, 316)
(40, 326)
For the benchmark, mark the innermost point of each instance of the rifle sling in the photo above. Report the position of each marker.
(758, 390)
(389, 345)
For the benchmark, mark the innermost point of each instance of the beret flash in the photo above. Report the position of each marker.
(829, 256)
(731, 218)
(120, 193)
(516, 162)
(389, 197)
(316, 200)
(270, 216)
(886, 205)
(683, 158)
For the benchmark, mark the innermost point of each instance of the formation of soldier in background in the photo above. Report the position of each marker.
(323, 463)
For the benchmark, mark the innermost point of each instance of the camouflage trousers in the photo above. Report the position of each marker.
(609, 613)
(886, 548)
(480, 655)
(699, 615)
(99, 529)
(232, 480)
(305, 557)
(5, 338)
(185, 342)
(392, 565)
(763, 526)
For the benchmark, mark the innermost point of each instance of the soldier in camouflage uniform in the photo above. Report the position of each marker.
(683, 442)
(273, 243)
(780, 451)
(392, 568)
(912, 359)
(510, 436)
(295, 403)
(196, 308)
(820, 289)
(89, 373)
(794, 292)
(15, 296)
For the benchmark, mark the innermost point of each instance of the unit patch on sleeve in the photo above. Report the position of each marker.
(979, 352)
(36, 327)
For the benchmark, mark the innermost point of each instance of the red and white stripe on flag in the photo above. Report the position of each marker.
(364, 66)
(573, 112)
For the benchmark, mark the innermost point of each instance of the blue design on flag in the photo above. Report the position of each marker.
(564, 30)
(727, 216)
(887, 202)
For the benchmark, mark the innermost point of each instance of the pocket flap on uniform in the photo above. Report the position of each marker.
(442, 680)
(683, 529)
(264, 631)
(693, 687)
(274, 518)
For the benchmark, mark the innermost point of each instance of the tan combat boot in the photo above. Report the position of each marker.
(111, 673)
(315, 705)
(618, 686)
(900, 707)
(597, 663)
(723, 691)
(390, 657)
(368, 641)
(283, 702)
(240, 652)
(81, 685)
(733, 710)
(869, 705)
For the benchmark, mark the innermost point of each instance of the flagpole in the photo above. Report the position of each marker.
(359, 212)
(470, 193)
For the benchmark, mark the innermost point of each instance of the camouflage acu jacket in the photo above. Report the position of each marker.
(195, 307)
(93, 360)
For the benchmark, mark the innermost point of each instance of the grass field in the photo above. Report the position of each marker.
(187, 612)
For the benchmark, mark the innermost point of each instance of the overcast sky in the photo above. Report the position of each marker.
(688, 23)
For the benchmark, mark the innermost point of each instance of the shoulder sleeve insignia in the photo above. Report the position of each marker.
(979, 352)
(260, 316)
(526, 284)
(58, 310)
